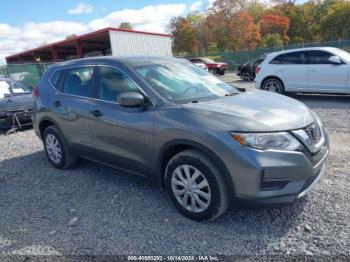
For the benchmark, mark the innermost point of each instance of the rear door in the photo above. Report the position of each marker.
(292, 69)
(325, 76)
(72, 104)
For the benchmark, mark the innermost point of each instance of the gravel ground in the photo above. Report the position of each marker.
(94, 210)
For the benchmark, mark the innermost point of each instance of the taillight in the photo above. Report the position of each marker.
(35, 92)
(257, 70)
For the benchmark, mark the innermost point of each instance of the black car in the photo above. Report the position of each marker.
(16, 104)
(247, 70)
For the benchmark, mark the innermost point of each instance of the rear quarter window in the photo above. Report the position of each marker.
(55, 79)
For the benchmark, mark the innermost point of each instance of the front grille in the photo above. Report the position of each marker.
(312, 136)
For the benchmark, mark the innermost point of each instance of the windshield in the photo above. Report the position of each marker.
(344, 54)
(8, 87)
(183, 82)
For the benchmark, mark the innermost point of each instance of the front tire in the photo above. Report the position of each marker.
(56, 148)
(220, 72)
(196, 186)
(273, 85)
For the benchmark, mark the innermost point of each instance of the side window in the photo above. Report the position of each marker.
(290, 59)
(55, 78)
(79, 81)
(319, 57)
(112, 82)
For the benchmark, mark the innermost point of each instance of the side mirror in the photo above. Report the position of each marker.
(131, 99)
(335, 60)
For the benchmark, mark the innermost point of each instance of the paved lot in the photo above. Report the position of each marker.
(92, 209)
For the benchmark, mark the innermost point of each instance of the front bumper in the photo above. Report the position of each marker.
(276, 177)
(16, 119)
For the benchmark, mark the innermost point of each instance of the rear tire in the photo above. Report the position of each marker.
(193, 174)
(56, 148)
(274, 85)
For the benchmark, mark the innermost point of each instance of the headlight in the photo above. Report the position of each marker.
(265, 141)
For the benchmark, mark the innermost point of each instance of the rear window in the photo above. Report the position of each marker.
(56, 78)
(290, 59)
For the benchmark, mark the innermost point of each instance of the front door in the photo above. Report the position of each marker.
(325, 76)
(122, 136)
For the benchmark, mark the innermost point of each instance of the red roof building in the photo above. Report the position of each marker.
(108, 41)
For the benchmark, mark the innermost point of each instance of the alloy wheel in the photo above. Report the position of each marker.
(273, 86)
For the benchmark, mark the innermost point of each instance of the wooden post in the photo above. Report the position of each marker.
(79, 48)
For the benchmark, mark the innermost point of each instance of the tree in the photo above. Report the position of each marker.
(336, 23)
(243, 33)
(244, 24)
(125, 25)
(199, 25)
(256, 9)
(184, 39)
(272, 40)
(71, 36)
(275, 24)
(227, 8)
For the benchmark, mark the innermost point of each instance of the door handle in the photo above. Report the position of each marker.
(96, 113)
(57, 103)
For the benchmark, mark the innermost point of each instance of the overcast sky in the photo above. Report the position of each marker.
(25, 24)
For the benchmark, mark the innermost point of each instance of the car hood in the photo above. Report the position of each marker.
(17, 103)
(255, 111)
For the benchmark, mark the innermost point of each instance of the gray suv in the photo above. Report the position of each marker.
(201, 139)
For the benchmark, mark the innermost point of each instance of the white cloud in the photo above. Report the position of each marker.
(210, 3)
(30, 35)
(150, 18)
(81, 8)
(196, 6)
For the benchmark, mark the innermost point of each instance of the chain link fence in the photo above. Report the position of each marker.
(234, 59)
(27, 74)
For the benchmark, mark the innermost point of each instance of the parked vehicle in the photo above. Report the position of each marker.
(193, 134)
(247, 70)
(217, 68)
(305, 70)
(201, 65)
(16, 104)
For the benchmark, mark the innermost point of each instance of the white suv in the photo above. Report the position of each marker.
(314, 70)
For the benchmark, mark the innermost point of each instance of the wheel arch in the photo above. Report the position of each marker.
(172, 148)
(269, 77)
(46, 122)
